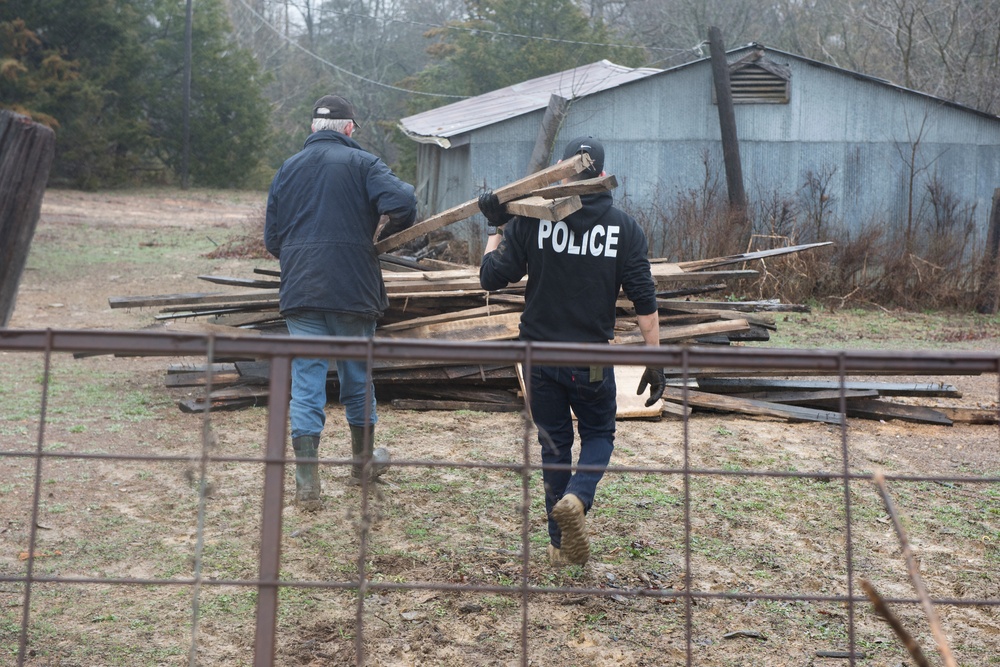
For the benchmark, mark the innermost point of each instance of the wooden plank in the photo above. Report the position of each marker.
(241, 282)
(879, 409)
(499, 309)
(425, 286)
(445, 284)
(764, 320)
(196, 379)
(689, 291)
(807, 397)
(241, 306)
(190, 298)
(664, 275)
(418, 294)
(418, 276)
(673, 334)
(675, 410)
(507, 193)
(734, 385)
(231, 398)
(969, 415)
(585, 187)
(186, 367)
(491, 327)
(239, 319)
(479, 371)
(501, 376)
(545, 209)
(739, 306)
(439, 392)
(755, 334)
(751, 407)
(699, 264)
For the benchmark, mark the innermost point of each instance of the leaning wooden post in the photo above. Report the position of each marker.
(547, 131)
(989, 285)
(26, 152)
(727, 125)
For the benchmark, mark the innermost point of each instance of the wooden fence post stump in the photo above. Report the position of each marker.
(26, 153)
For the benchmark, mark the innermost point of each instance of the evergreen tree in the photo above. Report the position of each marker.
(107, 75)
(229, 117)
(75, 65)
(504, 42)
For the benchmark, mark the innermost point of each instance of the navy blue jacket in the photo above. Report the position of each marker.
(575, 269)
(322, 212)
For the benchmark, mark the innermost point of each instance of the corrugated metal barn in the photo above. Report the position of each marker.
(864, 137)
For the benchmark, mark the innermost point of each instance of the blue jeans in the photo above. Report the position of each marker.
(554, 390)
(306, 409)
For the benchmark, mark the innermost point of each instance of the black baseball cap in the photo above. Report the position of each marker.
(335, 106)
(591, 147)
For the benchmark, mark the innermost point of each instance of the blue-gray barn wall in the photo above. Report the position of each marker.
(658, 132)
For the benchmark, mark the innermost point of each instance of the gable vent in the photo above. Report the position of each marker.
(756, 85)
(755, 79)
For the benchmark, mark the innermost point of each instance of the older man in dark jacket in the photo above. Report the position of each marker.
(323, 209)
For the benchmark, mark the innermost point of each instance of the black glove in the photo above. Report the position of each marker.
(495, 212)
(655, 380)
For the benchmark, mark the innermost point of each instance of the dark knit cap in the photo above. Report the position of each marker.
(591, 147)
(334, 106)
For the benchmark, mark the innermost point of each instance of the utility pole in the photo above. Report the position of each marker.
(186, 138)
(727, 125)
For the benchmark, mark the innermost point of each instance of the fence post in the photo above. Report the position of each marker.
(26, 152)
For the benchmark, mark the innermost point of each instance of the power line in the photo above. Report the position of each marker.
(337, 67)
(502, 34)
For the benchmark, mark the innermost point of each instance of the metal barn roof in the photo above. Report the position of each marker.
(436, 126)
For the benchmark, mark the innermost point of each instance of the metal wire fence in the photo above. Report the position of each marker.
(269, 582)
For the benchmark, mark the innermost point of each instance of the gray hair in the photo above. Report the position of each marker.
(335, 124)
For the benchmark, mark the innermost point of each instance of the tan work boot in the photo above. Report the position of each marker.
(556, 559)
(568, 513)
(307, 484)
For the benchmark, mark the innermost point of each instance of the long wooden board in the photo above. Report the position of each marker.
(735, 385)
(807, 397)
(545, 209)
(481, 311)
(747, 406)
(584, 187)
(879, 409)
(700, 264)
(507, 193)
(184, 299)
(491, 327)
(674, 334)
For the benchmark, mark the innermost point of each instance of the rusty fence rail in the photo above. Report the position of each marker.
(280, 350)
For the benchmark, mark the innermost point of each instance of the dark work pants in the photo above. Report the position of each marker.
(554, 390)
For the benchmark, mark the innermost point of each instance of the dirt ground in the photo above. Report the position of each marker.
(758, 540)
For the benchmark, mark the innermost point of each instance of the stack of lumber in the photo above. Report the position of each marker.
(430, 299)
(444, 302)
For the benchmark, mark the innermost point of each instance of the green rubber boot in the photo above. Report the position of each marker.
(307, 484)
(362, 448)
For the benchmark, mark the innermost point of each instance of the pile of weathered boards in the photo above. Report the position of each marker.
(431, 299)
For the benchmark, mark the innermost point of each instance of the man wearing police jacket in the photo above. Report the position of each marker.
(576, 268)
